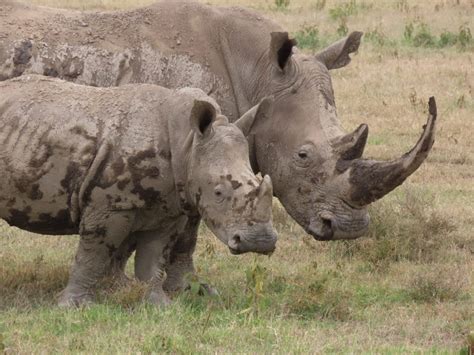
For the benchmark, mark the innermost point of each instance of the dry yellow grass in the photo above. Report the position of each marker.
(407, 287)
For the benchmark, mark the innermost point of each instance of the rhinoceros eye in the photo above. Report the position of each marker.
(303, 154)
(219, 193)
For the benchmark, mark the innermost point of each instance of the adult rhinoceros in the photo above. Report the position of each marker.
(238, 57)
(138, 161)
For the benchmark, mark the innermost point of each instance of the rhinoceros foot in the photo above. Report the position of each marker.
(206, 289)
(69, 299)
(159, 298)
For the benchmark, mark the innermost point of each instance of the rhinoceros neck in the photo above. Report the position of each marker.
(181, 138)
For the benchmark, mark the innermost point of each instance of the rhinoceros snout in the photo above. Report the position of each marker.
(328, 227)
(259, 241)
(321, 228)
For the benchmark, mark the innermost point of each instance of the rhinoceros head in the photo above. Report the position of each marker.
(234, 203)
(317, 169)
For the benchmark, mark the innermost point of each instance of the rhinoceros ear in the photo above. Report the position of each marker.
(258, 112)
(337, 54)
(281, 49)
(203, 114)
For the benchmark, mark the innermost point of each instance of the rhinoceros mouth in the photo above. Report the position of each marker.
(234, 251)
(268, 252)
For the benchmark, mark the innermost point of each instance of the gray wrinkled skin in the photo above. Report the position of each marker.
(140, 162)
(238, 57)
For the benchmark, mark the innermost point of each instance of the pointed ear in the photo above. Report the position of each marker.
(281, 49)
(203, 114)
(258, 112)
(337, 54)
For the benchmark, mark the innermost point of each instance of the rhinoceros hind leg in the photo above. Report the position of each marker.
(100, 237)
(116, 270)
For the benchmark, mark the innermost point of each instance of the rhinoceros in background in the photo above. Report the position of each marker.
(139, 161)
(238, 57)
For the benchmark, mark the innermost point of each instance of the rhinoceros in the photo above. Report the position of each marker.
(138, 161)
(238, 57)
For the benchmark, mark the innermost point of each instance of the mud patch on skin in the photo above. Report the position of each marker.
(122, 183)
(118, 166)
(21, 57)
(235, 184)
(112, 249)
(80, 131)
(19, 218)
(183, 202)
(148, 195)
(35, 192)
(71, 178)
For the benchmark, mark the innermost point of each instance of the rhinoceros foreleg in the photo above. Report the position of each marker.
(101, 234)
(181, 257)
(151, 257)
(181, 262)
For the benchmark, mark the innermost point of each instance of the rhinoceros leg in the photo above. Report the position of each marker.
(119, 260)
(181, 257)
(101, 234)
(150, 261)
(181, 261)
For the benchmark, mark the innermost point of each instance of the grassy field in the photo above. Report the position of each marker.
(406, 287)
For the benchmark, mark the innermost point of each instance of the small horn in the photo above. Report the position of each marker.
(371, 180)
(264, 199)
(351, 146)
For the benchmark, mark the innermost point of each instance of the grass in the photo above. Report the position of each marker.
(406, 287)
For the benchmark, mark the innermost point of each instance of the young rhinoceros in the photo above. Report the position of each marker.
(134, 161)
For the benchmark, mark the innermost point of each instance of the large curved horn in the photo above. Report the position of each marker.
(371, 180)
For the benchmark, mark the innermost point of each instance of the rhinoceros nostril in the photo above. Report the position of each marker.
(322, 228)
(327, 223)
(236, 239)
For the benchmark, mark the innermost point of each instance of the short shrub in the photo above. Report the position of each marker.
(309, 38)
(282, 4)
(437, 283)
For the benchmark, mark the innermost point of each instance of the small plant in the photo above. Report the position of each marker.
(343, 10)
(408, 33)
(447, 39)
(461, 101)
(378, 37)
(308, 37)
(402, 5)
(255, 280)
(342, 29)
(419, 35)
(423, 37)
(465, 37)
(282, 4)
(319, 5)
